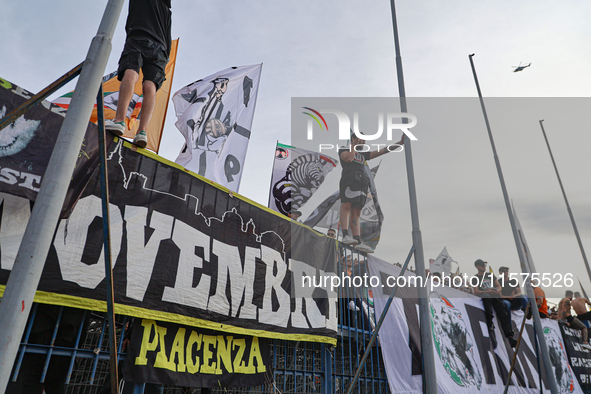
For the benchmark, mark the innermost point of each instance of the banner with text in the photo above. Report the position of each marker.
(27, 144)
(467, 360)
(192, 357)
(579, 357)
(184, 251)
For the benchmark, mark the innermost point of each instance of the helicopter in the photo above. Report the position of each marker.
(520, 67)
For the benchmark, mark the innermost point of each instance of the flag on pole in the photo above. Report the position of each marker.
(327, 214)
(442, 263)
(523, 243)
(111, 97)
(215, 116)
(297, 174)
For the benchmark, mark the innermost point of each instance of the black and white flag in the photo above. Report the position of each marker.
(297, 174)
(327, 214)
(215, 116)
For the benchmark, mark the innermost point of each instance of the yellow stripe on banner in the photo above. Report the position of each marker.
(44, 297)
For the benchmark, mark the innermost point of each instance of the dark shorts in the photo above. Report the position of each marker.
(584, 316)
(147, 55)
(352, 193)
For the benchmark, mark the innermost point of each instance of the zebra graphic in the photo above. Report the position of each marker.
(302, 178)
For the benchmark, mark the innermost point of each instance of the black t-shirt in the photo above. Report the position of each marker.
(486, 281)
(357, 165)
(150, 18)
(508, 286)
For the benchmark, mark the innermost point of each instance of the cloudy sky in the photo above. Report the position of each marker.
(344, 48)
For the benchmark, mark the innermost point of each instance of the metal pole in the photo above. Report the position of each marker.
(107, 240)
(24, 278)
(522, 260)
(374, 335)
(517, 348)
(428, 354)
(42, 95)
(583, 290)
(538, 361)
(570, 213)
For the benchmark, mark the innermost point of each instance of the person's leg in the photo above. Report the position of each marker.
(577, 325)
(355, 214)
(488, 312)
(148, 104)
(126, 88)
(508, 306)
(344, 215)
(503, 316)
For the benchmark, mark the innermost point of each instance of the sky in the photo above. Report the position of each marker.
(344, 48)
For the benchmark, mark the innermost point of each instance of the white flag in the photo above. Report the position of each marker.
(297, 174)
(442, 263)
(215, 116)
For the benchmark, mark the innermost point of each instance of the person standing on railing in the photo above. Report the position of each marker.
(147, 47)
(354, 186)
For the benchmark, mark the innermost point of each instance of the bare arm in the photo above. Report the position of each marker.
(347, 156)
(516, 291)
(496, 290)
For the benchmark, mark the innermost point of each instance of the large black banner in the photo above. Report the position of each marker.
(184, 251)
(579, 357)
(186, 356)
(27, 144)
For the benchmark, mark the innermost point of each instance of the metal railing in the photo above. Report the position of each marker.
(299, 367)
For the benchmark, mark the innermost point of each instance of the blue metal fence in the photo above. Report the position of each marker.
(299, 367)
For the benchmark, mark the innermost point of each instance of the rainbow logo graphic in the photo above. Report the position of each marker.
(315, 118)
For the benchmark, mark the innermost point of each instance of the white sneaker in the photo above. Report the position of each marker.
(141, 139)
(349, 240)
(586, 346)
(363, 248)
(117, 128)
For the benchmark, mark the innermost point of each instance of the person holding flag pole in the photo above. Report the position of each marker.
(353, 187)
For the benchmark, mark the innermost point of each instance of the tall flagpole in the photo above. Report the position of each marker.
(524, 267)
(570, 213)
(28, 265)
(428, 353)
